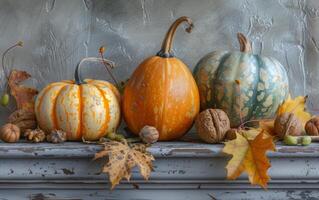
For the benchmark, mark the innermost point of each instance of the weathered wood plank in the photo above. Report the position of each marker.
(158, 194)
(161, 149)
(182, 171)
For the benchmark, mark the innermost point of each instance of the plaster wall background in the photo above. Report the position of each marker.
(57, 34)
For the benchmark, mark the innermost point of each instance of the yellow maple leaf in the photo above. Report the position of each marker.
(296, 106)
(249, 155)
(122, 158)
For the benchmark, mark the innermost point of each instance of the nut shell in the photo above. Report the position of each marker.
(36, 135)
(149, 134)
(10, 133)
(56, 136)
(312, 126)
(287, 124)
(212, 125)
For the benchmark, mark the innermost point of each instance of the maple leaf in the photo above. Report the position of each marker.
(296, 106)
(122, 158)
(267, 125)
(23, 95)
(249, 155)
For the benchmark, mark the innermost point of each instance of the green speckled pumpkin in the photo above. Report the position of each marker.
(244, 85)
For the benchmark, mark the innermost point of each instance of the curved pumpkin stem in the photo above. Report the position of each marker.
(166, 48)
(77, 73)
(244, 43)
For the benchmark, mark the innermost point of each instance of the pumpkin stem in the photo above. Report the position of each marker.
(77, 73)
(244, 43)
(166, 48)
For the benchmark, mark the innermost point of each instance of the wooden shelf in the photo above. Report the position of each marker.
(160, 150)
(183, 170)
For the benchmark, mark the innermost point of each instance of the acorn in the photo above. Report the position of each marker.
(149, 134)
(10, 133)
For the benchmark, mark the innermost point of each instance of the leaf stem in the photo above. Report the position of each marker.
(18, 44)
(253, 120)
(107, 65)
(134, 139)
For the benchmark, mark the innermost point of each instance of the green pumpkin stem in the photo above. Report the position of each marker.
(166, 48)
(244, 43)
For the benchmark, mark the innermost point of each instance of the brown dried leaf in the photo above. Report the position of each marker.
(24, 119)
(122, 158)
(23, 95)
(21, 115)
(267, 125)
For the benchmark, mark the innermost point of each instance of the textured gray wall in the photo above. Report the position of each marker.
(57, 34)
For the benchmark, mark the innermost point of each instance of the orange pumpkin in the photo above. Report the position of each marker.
(162, 92)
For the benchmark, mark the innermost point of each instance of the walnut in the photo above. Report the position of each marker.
(287, 124)
(149, 134)
(23, 119)
(211, 125)
(312, 126)
(10, 133)
(36, 135)
(56, 136)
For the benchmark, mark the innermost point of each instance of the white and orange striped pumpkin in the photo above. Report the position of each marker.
(88, 109)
